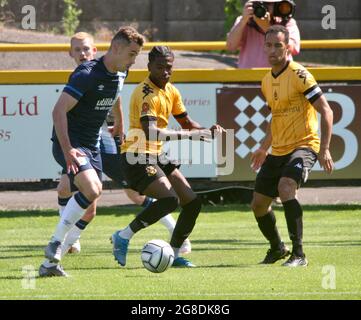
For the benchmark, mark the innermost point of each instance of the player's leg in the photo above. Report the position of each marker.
(64, 192)
(295, 172)
(137, 198)
(191, 207)
(265, 190)
(167, 221)
(57, 248)
(71, 243)
(90, 188)
(111, 165)
(88, 182)
(167, 202)
(147, 178)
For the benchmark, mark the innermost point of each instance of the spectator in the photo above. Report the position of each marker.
(247, 35)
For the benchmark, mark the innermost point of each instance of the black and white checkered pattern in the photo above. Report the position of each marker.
(253, 118)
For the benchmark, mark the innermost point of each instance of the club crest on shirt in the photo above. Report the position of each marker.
(151, 171)
(145, 108)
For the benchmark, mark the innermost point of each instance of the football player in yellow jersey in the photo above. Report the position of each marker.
(145, 167)
(294, 99)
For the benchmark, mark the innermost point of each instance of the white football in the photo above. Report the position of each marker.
(157, 256)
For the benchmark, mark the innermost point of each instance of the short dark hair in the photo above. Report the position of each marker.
(160, 51)
(128, 34)
(276, 28)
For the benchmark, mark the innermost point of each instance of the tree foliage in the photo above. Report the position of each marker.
(232, 9)
(70, 19)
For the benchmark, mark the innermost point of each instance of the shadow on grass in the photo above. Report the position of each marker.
(13, 248)
(114, 210)
(132, 209)
(22, 257)
(336, 243)
(12, 278)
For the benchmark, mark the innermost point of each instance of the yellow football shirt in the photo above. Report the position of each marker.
(156, 104)
(290, 95)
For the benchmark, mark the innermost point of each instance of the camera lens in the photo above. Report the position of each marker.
(259, 9)
(285, 8)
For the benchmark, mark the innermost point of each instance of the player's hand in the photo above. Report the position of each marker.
(217, 130)
(325, 160)
(257, 158)
(117, 131)
(201, 135)
(74, 158)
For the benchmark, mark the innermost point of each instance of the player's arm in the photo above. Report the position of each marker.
(324, 156)
(118, 127)
(259, 156)
(187, 123)
(153, 133)
(64, 104)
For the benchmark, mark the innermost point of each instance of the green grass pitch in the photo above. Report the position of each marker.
(227, 246)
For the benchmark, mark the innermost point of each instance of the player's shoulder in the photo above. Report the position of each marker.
(298, 70)
(170, 87)
(85, 69)
(267, 76)
(145, 89)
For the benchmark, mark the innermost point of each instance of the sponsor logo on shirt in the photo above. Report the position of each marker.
(104, 103)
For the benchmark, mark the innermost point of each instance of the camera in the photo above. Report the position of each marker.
(260, 9)
(284, 9)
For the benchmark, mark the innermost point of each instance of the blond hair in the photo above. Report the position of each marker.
(82, 36)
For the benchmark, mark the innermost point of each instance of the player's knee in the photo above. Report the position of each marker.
(171, 203)
(258, 207)
(287, 189)
(63, 190)
(63, 193)
(93, 192)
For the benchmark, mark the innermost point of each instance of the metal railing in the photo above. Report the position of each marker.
(181, 75)
(187, 46)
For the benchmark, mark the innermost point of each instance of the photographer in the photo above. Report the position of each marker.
(247, 33)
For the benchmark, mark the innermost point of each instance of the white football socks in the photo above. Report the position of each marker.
(71, 214)
(126, 233)
(71, 237)
(176, 252)
(61, 210)
(169, 222)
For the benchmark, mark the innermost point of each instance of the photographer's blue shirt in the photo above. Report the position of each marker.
(96, 90)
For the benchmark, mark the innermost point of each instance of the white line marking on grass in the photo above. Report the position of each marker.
(136, 295)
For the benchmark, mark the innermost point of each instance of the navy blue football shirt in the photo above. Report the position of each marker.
(96, 90)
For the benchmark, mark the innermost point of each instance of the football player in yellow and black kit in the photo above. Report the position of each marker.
(145, 167)
(294, 99)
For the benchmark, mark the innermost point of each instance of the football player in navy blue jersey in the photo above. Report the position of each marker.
(82, 49)
(78, 115)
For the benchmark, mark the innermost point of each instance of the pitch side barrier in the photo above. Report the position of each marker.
(186, 45)
(230, 97)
